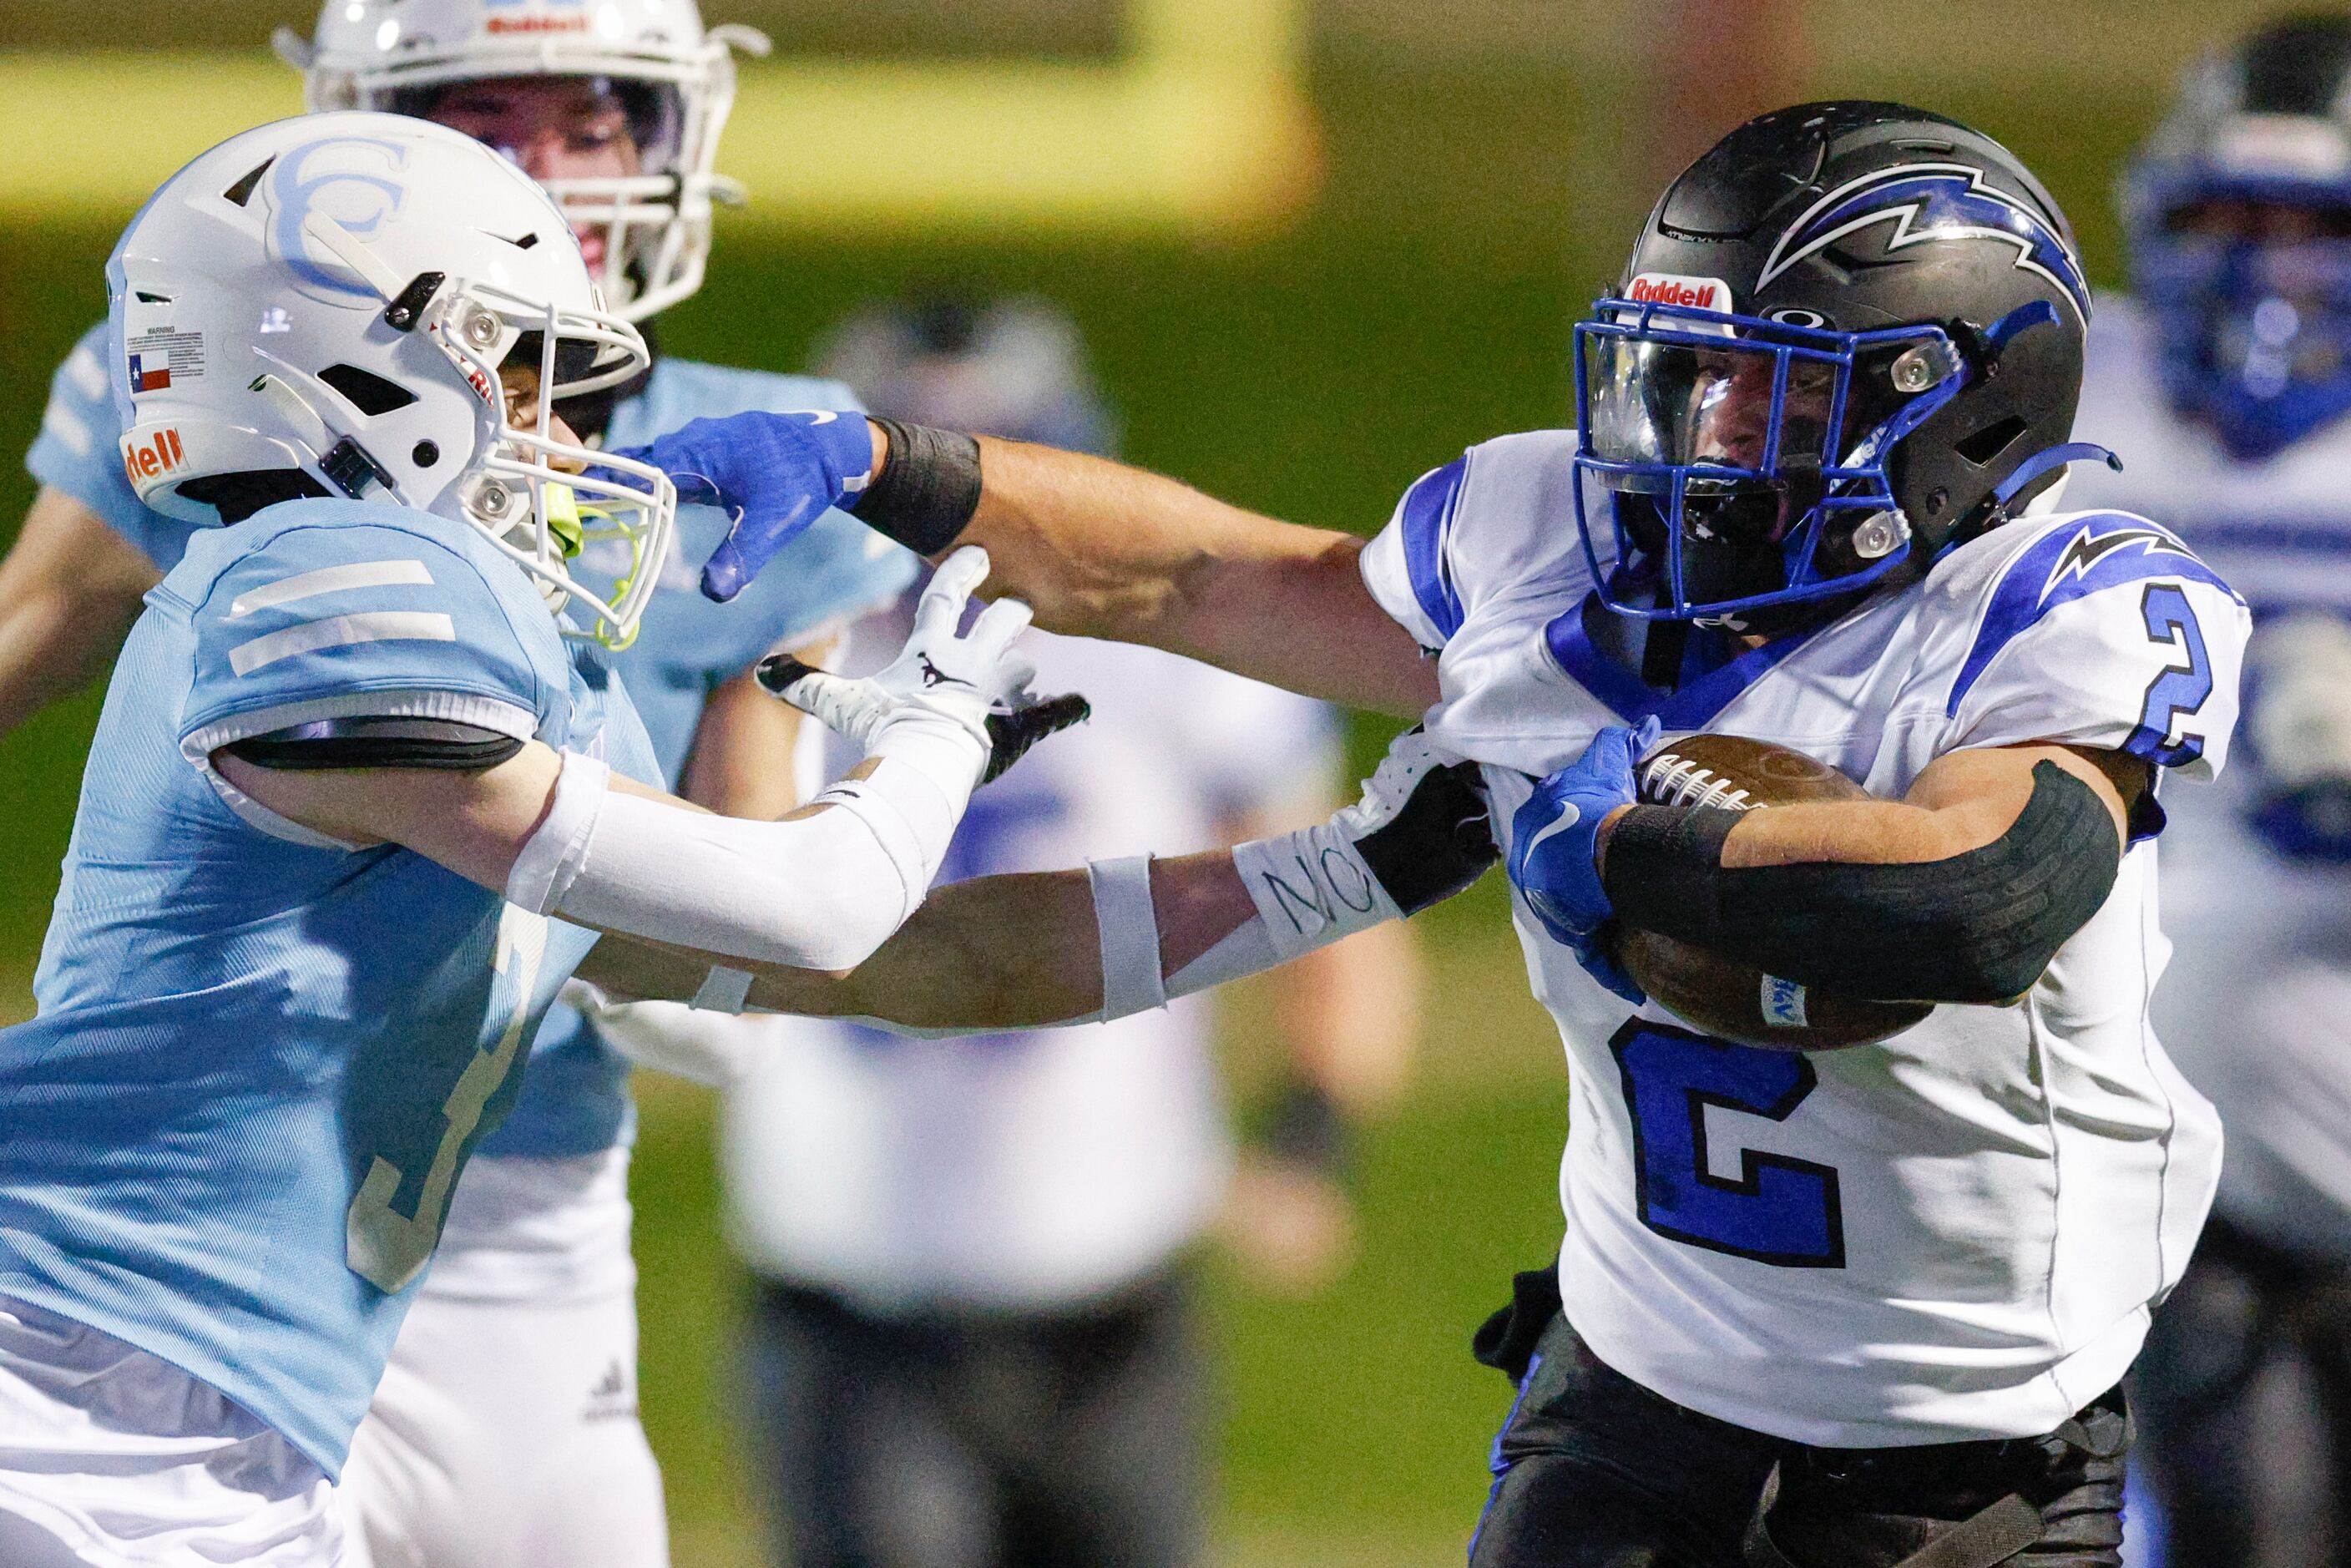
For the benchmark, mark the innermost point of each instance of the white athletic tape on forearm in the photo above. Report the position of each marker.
(558, 847)
(1311, 889)
(1128, 928)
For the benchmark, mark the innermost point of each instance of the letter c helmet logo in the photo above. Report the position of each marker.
(352, 181)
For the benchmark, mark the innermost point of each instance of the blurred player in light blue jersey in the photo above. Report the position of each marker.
(972, 1342)
(362, 748)
(2225, 385)
(534, 1291)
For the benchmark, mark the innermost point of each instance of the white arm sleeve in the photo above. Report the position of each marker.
(818, 891)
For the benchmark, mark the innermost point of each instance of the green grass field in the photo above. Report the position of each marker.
(1471, 209)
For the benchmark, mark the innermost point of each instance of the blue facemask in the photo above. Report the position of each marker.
(1724, 463)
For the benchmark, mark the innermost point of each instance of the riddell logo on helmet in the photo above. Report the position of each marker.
(1674, 288)
(159, 453)
(504, 25)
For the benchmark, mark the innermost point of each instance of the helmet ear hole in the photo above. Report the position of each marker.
(1986, 444)
(370, 393)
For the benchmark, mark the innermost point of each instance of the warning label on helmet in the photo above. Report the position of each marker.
(163, 356)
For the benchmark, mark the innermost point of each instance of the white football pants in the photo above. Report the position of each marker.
(112, 1457)
(505, 1432)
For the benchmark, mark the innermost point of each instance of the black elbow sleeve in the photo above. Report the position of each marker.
(1977, 927)
(332, 744)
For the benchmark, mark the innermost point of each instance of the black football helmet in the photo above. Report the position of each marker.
(1849, 338)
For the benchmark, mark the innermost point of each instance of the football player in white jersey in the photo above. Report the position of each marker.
(1848, 1310)
(2225, 384)
(973, 1264)
(534, 1290)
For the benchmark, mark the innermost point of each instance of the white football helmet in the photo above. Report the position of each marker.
(322, 307)
(391, 55)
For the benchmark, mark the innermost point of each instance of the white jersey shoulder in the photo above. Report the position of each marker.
(2094, 629)
(1498, 519)
(1868, 1246)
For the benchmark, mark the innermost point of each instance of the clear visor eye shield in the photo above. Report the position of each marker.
(1703, 430)
(543, 500)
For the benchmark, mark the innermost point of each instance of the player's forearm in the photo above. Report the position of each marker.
(1106, 551)
(1013, 951)
(995, 953)
(48, 649)
(69, 589)
(1963, 893)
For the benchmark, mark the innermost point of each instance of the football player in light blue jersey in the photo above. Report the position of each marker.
(2225, 385)
(361, 751)
(534, 1287)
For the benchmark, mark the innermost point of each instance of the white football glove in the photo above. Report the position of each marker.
(974, 679)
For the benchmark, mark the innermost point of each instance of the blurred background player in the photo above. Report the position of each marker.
(506, 1430)
(2225, 385)
(972, 1341)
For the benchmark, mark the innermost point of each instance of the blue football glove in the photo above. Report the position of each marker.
(776, 472)
(1554, 838)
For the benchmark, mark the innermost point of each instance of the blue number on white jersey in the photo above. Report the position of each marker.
(1778, 1209)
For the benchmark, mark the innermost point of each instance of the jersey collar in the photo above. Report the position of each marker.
(1706, 687)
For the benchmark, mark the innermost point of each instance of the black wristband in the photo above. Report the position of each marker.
(927, 490)
(1667, 858)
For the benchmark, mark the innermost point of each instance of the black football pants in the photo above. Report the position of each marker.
(2244, 1394)
(1593, 1470)
(981, 1440)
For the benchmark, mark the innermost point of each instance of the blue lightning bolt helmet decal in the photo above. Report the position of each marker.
(1929, 201)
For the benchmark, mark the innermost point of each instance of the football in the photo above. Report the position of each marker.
(1720, 996)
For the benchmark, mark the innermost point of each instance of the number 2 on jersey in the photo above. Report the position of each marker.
(388, 1248)
(2178, 691)
(1778, 1209)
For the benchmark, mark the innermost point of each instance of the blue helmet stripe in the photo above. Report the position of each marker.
(1932, 201)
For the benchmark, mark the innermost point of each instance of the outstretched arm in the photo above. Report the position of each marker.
(991, 953)
(1098, 548)
(1028, 951)
(1106, 551)
(556, 833)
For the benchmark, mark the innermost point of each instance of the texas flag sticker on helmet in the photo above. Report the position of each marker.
(1677, 289)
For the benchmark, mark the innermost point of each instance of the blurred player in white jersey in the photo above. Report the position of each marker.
(2225, 385)
(972, 1342)
(1847, 1308)
(533, 1294)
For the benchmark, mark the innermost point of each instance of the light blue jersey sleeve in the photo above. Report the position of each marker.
(332, 608)
(77, 454)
